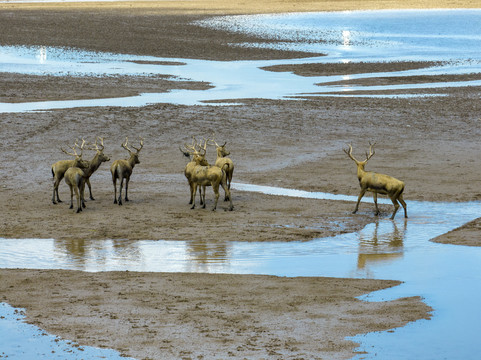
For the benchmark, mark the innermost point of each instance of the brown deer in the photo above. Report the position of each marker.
(203, 176)
(377, 183)
(95, 163)
(60, 167)
(75, 179)
(222, 160)
(122, 169)
(189, 168)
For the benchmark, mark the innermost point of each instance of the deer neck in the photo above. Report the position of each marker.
(219, 153)
(131, 161)
(360, 170)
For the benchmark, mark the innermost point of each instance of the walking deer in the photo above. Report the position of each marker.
(377, 183)
(122, 169)
(222, 160)
(60, 167)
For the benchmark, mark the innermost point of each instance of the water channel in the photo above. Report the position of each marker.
(448, 277)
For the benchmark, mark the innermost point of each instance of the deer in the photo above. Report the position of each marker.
(189, 168)
(60, 167)
(95, 163)
(209, 175)
(122, 169)
(75, 178)
(222, 160)
(378, 184)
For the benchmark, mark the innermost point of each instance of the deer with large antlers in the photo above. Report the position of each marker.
(191, 152)
(122, 169)
(203, 176)
(60, 167)
(222, 160)
(378, 183)
(95, 163)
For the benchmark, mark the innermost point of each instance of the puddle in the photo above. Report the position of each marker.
(448, 36)
(23, 341)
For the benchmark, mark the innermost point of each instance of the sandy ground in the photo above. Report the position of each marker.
(430, 143)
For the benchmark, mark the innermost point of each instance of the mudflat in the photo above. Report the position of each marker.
(430, 143)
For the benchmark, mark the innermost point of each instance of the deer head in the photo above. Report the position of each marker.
(134, 156)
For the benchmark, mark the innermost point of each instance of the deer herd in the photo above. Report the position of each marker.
(198, 172)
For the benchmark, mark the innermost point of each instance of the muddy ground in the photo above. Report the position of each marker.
(431, 143)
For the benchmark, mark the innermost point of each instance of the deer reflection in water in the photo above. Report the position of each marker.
(384, 243)
(83, 252)
(207, 251)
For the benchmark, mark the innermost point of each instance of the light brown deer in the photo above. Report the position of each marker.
(214, 176)
(95, 163)
(192, 153)
(75, 179)
(377, 183)
(222, 160)
(122, 169)
(60, 167)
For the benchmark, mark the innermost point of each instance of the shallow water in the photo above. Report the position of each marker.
(450, 36)
(448, 277)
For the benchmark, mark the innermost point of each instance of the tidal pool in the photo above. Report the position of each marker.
(448, 277)
(450, 37)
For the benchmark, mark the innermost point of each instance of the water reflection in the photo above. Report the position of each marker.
(383, 243)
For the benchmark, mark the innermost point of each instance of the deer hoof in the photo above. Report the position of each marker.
(91, 198)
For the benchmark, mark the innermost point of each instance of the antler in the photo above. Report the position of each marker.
(125, 145)
(214, 142)
(141, 144)
(101, 144)
(349, 153)
(73, 148)
(371, 151)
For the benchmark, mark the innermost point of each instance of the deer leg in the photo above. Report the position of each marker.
(215, 187)
(120, 191)
(374, 196)
(193, 198)
(71, 197)
(82, 192)
(191, 186)
(202, 196)
(90, 189)
(127, 188)
(396, 207)
(363, 191)
(79, 208)
(228, 196)
(403, 203)
(55, 191)
(114, 181)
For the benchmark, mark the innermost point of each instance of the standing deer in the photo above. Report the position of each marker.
(60, 167)
(95, 163)
(75, 178)
(222, 160)
(208, 176)
(377, 183)
(122, 169)
(189, 168)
